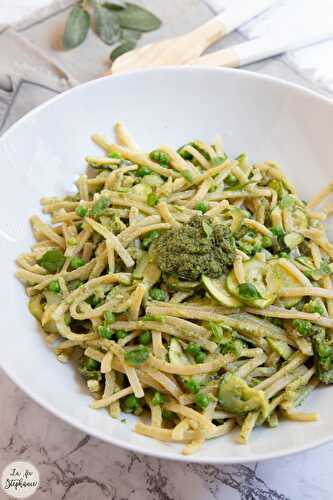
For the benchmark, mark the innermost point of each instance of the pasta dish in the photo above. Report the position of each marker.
(188, 288)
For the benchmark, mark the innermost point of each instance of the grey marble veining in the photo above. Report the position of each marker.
(73, 465)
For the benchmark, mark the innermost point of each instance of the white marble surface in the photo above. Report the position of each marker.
(74, 466)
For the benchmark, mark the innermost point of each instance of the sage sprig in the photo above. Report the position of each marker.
(122, 49)
(107, 25)
(137, 18)
(116, 22)
(76, 28)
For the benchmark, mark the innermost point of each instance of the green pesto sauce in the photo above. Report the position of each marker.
(198, 247)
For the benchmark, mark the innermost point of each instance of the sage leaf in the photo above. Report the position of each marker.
(107, 25)
(114, 5)
(76, 28)
(121, 49)
(52, 260)
(130, 35)
(248, 291)
(137, 18)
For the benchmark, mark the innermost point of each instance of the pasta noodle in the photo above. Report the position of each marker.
(227, 323)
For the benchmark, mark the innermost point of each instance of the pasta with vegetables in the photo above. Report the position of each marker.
(189, 285)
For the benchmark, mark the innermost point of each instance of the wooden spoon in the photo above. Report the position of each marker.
(186, 48)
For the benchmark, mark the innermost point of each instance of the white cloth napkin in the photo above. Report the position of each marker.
(315, 62)
(12, 11)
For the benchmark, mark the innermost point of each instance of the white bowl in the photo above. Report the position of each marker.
(43, 153)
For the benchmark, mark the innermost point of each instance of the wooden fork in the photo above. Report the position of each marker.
(186, 48)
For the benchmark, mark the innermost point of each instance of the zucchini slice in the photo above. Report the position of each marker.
(141, 190)
(281, 347)
(298, 219)
(141, 266)
(292, 240)
(258, 274)
(285, 280)
(176, 353)
(178, 357)
(218, 290)
(35, 307)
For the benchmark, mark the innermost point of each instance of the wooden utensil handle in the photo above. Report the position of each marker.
(229, 58)
(210, 32)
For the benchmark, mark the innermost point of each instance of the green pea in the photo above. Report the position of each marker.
(109, 317)
(246, 248)
(168, 415)
(72, 242)
(193, 348)
(192, 385)
(145, 337)
(151, 236)
(91, 364)
(218, 160)
(200, 357)
(114, 154)
(105, 332)
(314, 306)
(283, 255)
(266, 242)
(152, 199)
(158, 294)
(303, 326)
(202, 400)
(202, 206)
(158, 399)
(160, 157)
(257, 248)
(324, 350)
(231, 180)
(121, 334)
(278, 231)
(217, 332)
(212, 188)
(319, 308)
(137, 356)
(131, 403)
(142, 171)
(77, 262)
(54, 286)
(81, 211)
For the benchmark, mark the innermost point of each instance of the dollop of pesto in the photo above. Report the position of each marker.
(198, 247)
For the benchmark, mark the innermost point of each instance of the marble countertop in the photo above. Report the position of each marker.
(73, 465)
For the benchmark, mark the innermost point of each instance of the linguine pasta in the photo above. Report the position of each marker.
(230, 327)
